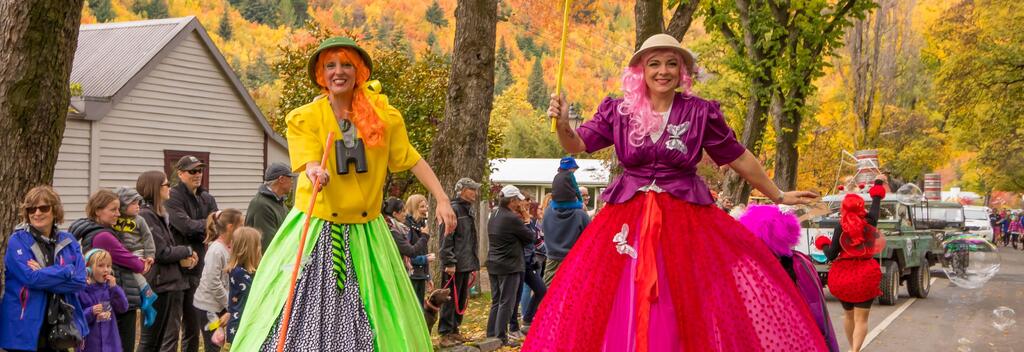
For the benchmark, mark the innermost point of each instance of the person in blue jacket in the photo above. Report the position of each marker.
(40, 261)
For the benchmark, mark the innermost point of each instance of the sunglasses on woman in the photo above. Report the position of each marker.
(42, 208)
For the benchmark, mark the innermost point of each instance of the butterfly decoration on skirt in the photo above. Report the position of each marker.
(621, 245)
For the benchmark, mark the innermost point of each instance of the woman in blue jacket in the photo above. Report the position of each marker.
(40, 261)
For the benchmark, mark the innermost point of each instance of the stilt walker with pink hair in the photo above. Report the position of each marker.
(661, 268)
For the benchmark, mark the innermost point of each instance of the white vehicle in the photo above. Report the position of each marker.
(976, 221)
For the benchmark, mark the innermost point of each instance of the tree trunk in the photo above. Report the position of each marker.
(758, 101)
(37, 46)
(787, 134)
(735, 187)
(460, 145)
(650, 19)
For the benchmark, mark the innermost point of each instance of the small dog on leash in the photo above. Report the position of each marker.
(432, 305)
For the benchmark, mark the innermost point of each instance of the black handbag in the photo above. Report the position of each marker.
(64, 334)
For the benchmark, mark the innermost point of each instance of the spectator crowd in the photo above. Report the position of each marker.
(168, 259)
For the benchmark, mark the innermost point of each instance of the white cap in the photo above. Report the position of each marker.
(511, 191)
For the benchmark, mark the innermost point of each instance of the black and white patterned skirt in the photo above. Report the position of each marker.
(326, 317)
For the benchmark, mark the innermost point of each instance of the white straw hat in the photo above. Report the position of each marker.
(665, 41)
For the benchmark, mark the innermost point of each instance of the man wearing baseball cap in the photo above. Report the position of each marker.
(459, 257)
(266, 210)
(187, 209)
(508, 235)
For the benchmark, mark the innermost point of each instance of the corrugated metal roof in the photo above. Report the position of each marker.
(541, 171)
(110, 54)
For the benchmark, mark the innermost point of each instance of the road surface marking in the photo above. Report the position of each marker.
(889, 319)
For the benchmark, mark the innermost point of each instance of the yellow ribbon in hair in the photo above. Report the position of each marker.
(372, 89)
(373, 86)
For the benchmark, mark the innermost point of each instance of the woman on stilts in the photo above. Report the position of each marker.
(353, 293)
(855, 275)
(661, 268)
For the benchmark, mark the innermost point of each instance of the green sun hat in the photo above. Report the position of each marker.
(336, 42)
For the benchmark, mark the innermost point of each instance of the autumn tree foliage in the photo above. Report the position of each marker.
(979, 80)
(537, 91)
(916, 80)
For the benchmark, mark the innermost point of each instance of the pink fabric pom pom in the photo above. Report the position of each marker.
(780, 231)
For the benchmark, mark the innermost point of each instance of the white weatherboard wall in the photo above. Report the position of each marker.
(185, 103)
(71, 173)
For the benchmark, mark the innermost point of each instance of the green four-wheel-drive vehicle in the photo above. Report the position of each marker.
(910, 246)
(943, 219)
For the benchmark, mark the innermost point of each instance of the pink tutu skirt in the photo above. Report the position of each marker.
(710, 286)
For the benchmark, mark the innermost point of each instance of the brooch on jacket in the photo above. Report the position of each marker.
(675, 140)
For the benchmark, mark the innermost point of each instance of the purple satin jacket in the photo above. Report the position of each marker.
(694, 126)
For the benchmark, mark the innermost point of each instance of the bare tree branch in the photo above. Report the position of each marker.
(730, 36)
(681, 19)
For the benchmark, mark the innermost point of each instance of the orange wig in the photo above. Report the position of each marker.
(364, 117)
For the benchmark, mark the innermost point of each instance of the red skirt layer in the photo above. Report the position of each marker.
(855, 280)
(727, 289)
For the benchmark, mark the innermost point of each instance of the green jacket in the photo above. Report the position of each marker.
(266, 212)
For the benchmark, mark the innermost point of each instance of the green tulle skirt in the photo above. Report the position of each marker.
(385, 291)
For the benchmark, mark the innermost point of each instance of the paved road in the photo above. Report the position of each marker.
(951, 318)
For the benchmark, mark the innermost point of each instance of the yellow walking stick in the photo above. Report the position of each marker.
(561, 56)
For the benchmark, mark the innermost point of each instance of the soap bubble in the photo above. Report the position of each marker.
(969, 261)
(910, 194)
(1004, 318)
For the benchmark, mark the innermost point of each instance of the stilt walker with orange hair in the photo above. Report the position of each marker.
(352, 292)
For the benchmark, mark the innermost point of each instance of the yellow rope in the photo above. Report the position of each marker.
(561, 55)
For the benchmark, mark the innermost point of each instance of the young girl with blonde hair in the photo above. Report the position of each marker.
(212, 294)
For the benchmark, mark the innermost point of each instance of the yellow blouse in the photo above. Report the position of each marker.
(352, 198)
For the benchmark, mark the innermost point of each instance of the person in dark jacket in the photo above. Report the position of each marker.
(459, 257)
(993, 219)
(565, 191)
(97, 231)
(416, 219)
(393, 213)
(1004, 227)
(508, 235)
(533, 289)
(266, 210)
(187, 210)
(40, 261)
(564, 219)
(165, 277)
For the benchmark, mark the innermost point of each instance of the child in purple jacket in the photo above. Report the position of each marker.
(101, 300)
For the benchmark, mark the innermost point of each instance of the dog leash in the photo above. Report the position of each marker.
(455, 293)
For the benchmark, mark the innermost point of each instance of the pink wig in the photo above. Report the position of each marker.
(780, 231)
(637, 105)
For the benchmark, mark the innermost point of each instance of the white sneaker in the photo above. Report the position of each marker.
(516, 335)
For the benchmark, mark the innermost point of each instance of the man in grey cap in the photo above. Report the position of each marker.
(459, 258)
(266, 210)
